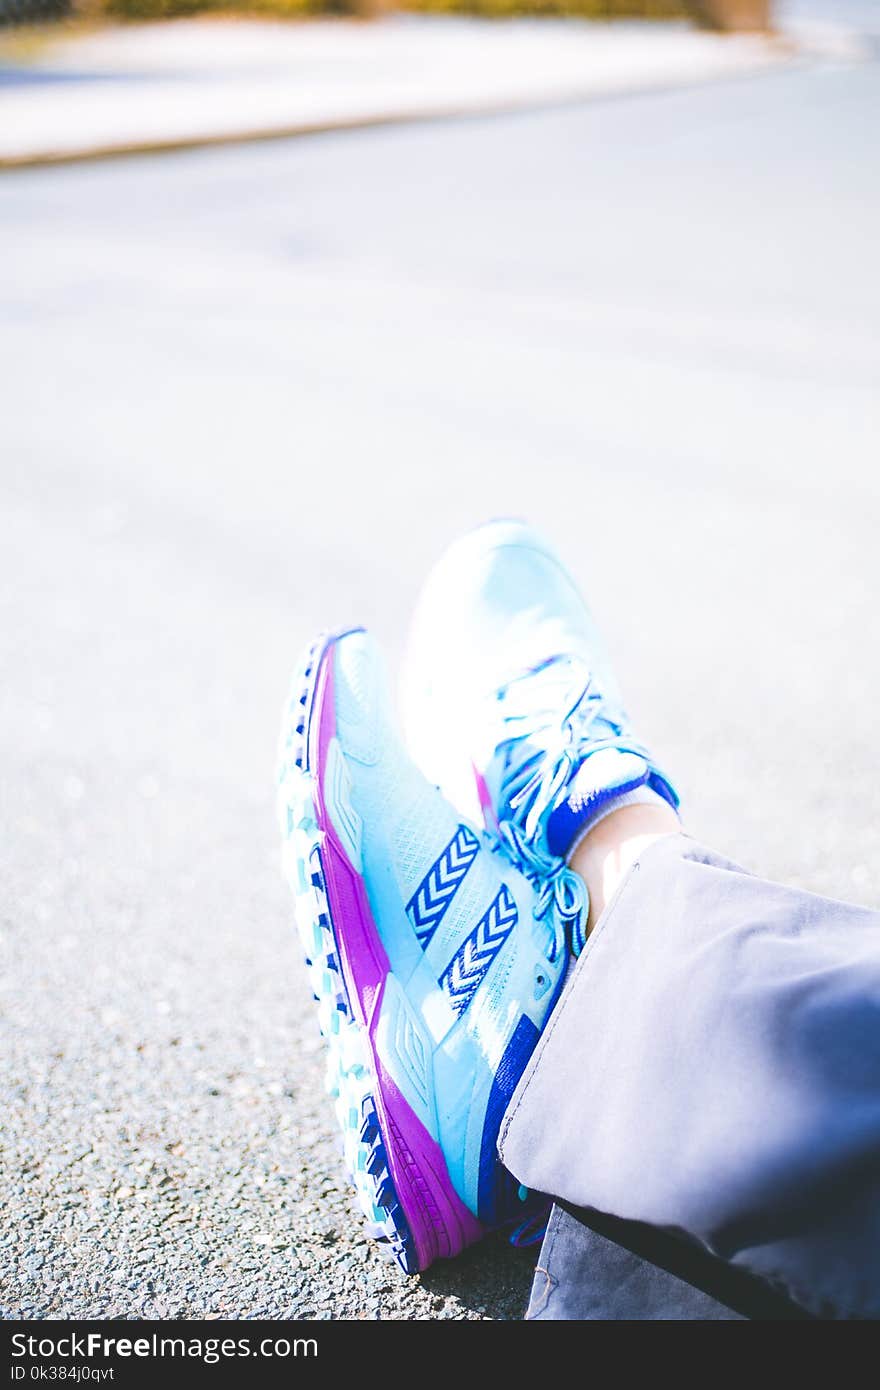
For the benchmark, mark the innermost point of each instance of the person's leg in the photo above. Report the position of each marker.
(603, 857)
(712, 1071)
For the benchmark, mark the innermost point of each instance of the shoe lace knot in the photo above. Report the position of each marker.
(543, 749)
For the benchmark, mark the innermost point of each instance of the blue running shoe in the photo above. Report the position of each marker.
(434, 962)
(510, 703)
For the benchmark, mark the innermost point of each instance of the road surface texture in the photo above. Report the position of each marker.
(249, 393)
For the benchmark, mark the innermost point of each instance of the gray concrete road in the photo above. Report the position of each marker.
(250, 393)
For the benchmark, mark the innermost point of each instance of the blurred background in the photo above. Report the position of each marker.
(287, 303)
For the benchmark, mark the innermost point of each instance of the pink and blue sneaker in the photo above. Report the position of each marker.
(510, 703)
(434, 961)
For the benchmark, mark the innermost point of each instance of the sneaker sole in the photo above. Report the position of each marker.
(397, 1168)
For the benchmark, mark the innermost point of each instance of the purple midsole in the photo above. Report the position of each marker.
(440, 1223)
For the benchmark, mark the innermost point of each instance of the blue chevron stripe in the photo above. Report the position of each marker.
(465, 972)
(429, 902)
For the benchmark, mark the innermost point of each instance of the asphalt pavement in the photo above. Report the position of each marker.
(249, 393)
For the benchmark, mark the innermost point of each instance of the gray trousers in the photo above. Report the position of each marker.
(704, 1104)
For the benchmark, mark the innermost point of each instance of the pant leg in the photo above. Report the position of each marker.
(713, 1071)
(585, 1274)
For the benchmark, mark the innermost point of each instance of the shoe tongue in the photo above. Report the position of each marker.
(601, 777)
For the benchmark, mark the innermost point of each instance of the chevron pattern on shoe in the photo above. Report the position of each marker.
(429, 902)
(462, 977)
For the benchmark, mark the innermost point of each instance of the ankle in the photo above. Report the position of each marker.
(610, 849)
